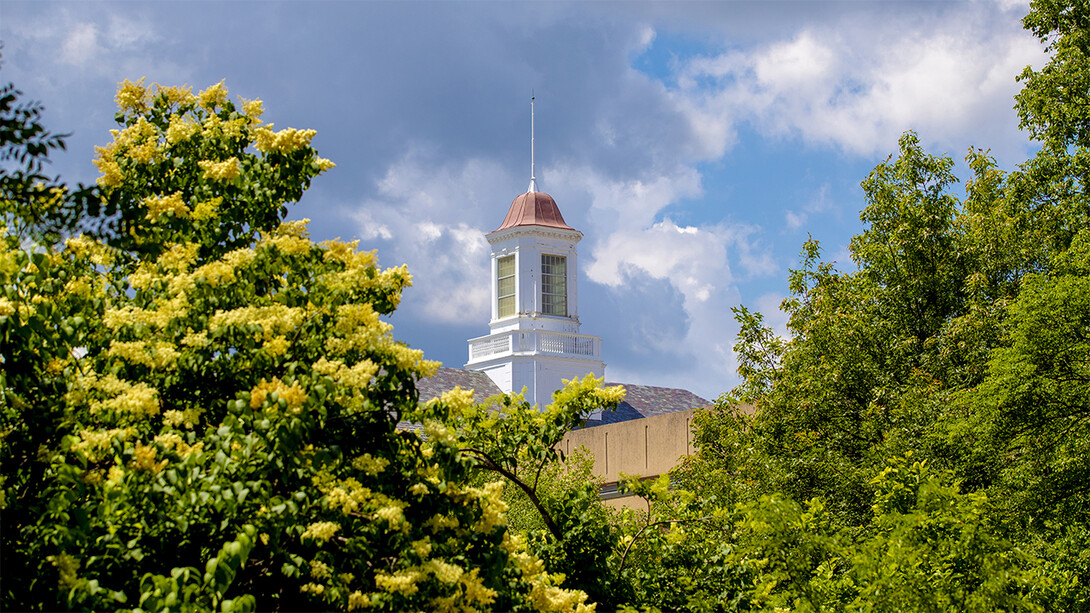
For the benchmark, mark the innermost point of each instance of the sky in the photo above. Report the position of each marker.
(696, 145)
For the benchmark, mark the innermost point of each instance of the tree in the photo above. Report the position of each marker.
(34, 205)
(212, 399)
(507, 436)
(961, 339)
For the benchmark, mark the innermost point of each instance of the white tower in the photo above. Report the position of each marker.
(535, 340)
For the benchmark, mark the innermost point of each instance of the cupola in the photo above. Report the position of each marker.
(535, 342)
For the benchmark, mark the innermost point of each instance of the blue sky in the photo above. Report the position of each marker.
(695, 145)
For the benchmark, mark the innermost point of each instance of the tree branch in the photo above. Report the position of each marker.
(494, 466)
(657, 523)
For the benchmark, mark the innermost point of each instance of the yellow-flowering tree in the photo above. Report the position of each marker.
(506, 436)
(199, 405)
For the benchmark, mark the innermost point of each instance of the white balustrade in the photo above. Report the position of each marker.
(537, 341)
(568, 344)
(490, 346)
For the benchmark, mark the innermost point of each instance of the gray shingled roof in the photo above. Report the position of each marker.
(447, 379)
(648, 400)
(640, 400)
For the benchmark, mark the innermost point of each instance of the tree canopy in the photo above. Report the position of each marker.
(200, 405)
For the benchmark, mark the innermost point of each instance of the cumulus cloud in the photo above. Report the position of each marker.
(432, 215)
(857, 86)
(670, 285)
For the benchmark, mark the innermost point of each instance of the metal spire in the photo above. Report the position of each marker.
(533, 175)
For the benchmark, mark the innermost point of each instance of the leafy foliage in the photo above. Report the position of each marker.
(509, 437)
(34, 205)
(200, 406)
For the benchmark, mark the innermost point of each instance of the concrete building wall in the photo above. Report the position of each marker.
(647, 447)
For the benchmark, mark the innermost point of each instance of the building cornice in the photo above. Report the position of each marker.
(538, 231)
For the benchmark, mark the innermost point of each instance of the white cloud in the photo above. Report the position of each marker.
(859, 85)
(433, 215)
(673, 284)
(627, 203)
(794, 220)
(693, 260)
(80, 47)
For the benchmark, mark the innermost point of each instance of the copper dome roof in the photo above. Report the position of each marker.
(534, 209)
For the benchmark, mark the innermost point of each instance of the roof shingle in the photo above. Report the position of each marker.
(447, 379)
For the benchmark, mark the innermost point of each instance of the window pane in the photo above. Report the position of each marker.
(554, 265)
(505, 286)
(554, 285)
(554, 305)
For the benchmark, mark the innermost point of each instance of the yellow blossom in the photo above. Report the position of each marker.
(348, 495)
(67, 566)
(172, 441)
(161, 205)
(179, 257)
(324, 164)
(492, 507)
(476, 591)
(154, 354)
(181, 129)
(174, 94)
(447, 573)
(223, 270)
(144, 459)
(291, 238)
(115, 475)
(252, 109)
(319, 569)
(439, 522)
(422, 547)
(284, 141)
(196, 339)
(294, 396)
(207, 209)
(226, 170)
(189, 418)
(132, 96)
(94, 443)
(403, 581)
(278, 345)
(348, 254)
(134, 399)
(392, 514)
(108, 166)
(358, 376)
(370, 465)
(275, 319)
(320, 531)
(457, 400)
(213, 96)
(358, 600)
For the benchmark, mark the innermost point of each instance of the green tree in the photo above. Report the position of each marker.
(507, 436)
(961, 339)
(34, 205)
(211, 399)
